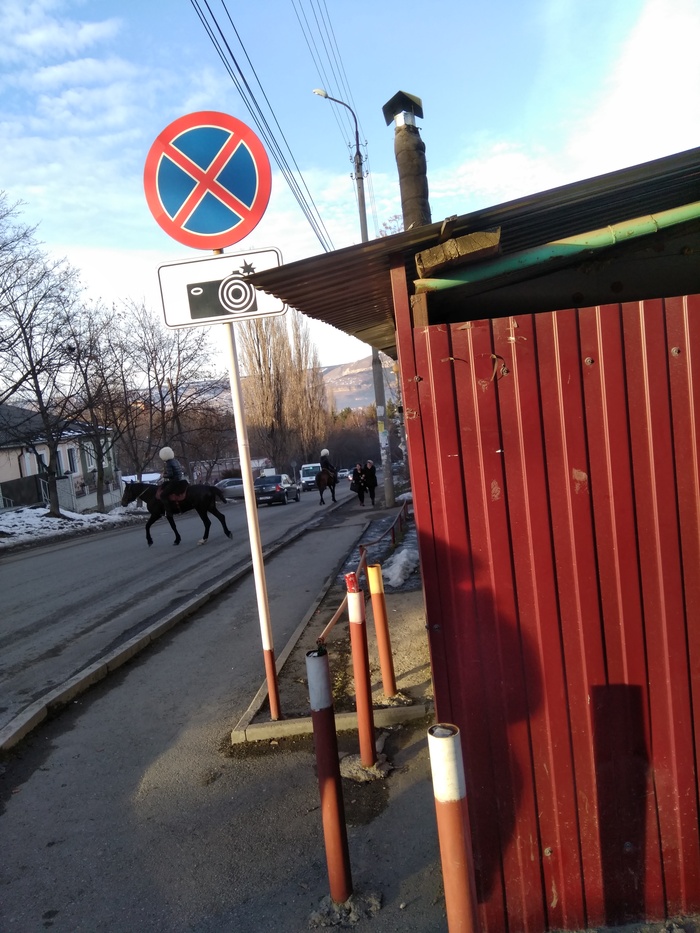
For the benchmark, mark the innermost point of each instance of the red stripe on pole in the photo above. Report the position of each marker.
(360, 669)
(329, 780)
(272, 685)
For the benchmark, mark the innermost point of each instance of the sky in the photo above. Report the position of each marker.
(519, 96)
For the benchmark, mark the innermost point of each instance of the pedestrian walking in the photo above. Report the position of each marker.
(357, 483)
(370, 474)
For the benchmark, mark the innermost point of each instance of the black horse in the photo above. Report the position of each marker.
(325, 480)
(200, 498)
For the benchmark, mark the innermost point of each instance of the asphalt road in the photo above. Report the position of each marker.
(66, 604)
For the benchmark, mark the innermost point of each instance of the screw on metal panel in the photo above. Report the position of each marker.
(676, 351)
(548, 851)
(589, 361)
(628, 847)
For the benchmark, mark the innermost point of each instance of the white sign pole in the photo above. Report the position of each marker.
(253, 526)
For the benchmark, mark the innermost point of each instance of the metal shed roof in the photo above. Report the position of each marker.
(350, 288)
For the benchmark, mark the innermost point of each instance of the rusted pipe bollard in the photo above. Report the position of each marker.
(360, 669)
(381, 626)
(331, 789)
(450, 792)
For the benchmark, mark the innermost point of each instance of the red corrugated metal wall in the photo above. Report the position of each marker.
(554, 460)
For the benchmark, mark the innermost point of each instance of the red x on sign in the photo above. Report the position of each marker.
(207, 180)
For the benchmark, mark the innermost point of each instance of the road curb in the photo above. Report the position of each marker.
(34, 714)
(344, 722)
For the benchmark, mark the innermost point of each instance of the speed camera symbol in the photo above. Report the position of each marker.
(233, 295)
(237, 295)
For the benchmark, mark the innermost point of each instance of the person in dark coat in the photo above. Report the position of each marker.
(357, 482)
(370, 479)
(174, 480)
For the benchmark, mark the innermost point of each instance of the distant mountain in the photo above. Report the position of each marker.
(351, 385)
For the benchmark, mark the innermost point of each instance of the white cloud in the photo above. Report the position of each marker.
(81, 72)
(31, 29)
(651, 104)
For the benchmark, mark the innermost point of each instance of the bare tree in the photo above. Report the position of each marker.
(283, 388)
(266, 362)
(393, 225)
(168, 378)
(310, 415)
(95, 371)
(36, 295)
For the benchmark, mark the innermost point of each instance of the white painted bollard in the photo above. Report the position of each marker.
(449, 789)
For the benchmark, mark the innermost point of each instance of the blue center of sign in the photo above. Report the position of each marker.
(202, 144)
(238, 176)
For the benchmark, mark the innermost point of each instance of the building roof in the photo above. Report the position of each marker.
(22, 427)
(350, 288)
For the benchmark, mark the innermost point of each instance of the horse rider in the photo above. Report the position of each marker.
(326, 463)
(174, 480)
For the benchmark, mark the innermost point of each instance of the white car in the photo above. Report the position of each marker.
(343, 474)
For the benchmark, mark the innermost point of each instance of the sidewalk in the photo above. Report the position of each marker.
(134, 811)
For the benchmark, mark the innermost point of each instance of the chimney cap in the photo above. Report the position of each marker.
(402, 102)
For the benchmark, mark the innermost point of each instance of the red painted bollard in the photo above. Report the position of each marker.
(360, 670)
(329, 781)
(449, 788)
(381, 626)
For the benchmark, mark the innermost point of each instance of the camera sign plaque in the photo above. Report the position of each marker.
(217, 289)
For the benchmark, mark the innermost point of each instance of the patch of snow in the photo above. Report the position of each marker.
(400, 566)
(23, 526)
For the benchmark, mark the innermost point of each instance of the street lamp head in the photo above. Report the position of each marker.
(320, 92)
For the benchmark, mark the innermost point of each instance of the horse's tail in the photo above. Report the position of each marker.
(218, 494)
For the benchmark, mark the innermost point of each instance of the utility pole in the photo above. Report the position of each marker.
(377, 371)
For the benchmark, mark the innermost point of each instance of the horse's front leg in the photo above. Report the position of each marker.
(171, 522)
(151, 519)
(333, 493)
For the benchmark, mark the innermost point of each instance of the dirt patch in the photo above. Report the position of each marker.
(409, 648)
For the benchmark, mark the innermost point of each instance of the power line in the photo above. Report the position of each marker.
(223, 48)
(337, 68)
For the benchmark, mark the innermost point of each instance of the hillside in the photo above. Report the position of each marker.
(351, 385)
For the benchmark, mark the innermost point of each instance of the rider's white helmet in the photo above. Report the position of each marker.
(166, 453)
(325, 453)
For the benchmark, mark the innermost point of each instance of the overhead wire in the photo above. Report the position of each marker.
(223, 48)
(322, 45)
(346, 94)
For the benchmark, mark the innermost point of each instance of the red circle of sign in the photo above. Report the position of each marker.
(161, 147)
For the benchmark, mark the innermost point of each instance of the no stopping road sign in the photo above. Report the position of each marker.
(207, 180)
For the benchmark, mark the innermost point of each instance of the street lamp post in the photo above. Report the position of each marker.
(377, 371)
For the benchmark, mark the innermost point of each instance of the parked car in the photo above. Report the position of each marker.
(343, 474)
(277, 488)
(232, 488)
